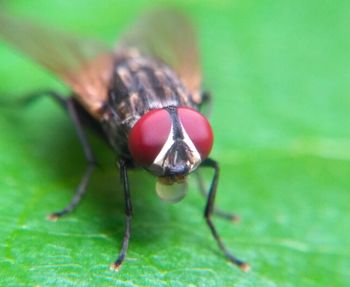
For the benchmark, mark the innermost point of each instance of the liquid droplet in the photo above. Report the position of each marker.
(171, 191)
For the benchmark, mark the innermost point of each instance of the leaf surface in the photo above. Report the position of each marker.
(279, 74)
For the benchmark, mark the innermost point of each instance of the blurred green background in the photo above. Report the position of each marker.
(279, 72)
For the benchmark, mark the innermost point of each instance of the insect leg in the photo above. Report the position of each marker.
(91, 162)
(206, 103)
(209, 211)
(206, 97)
(128, 215)
(218, 212)
(32, 97)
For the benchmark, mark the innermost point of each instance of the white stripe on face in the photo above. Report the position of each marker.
(159, 164)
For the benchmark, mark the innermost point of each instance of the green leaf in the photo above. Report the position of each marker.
(279, 73)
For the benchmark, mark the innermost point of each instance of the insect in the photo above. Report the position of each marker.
(143, 96)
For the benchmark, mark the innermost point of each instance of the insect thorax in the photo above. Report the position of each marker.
(139, 84)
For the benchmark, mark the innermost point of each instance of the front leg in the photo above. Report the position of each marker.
(123, 165)
(209, 211)
(218, 212)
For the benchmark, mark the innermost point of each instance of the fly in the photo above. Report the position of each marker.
(143, 96)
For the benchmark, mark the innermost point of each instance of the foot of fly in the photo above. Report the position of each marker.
(56, 215)
(227, 216)
(115, 266)
(245, 267)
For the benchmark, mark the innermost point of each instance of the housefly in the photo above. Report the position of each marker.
(143, 96)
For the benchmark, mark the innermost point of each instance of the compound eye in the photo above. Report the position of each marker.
(198, 129)
(148, 136)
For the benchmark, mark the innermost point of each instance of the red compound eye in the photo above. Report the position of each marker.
(198, 129)
(148, 136)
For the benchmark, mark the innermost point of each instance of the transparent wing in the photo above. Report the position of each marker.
(169, 36)
(84, 65)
